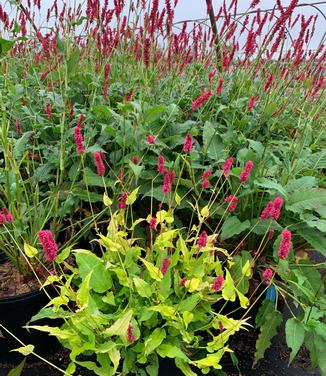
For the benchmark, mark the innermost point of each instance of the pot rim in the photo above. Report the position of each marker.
(21, 297)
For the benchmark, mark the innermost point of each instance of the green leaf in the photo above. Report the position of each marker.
(154, 340)
(185, 367)
(171, 351)
(5, 45)
(211, 360)
(267, 331)
(153, 113)
(295, 334)
(189, 303)
(143, 288)
(115, 357)
(154, 271)
(308, 199)
(228, 289)
(304, 182)
(88, 262)
(266, 308)
(20, 144)
(314, 237)
(137, 169)
(212, 142)
(17, 370)
(83, 292)
(232, 226)
(132, 197)
(270, 184)
(25, 350)
(316, 161)
(93, 179)
(187, 318)
(120, 327)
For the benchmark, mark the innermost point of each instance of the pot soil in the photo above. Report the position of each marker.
(20, 300)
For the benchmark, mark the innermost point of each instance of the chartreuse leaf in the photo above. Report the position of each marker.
(154, 340)
(185, 367)
(120, 327)
(143, 288)
(189, 303)
(115, 357)
(164, 310)
(192, 284)
(153, 270)
(63, 255)
(267, 331)
(228, 289)
(25, 350)
(211, 360)
(244, 301)
(295, 333)
(132, 197)
(83, 292)
(30, 251)
(170, 351)
(187, 318)
(106, 200)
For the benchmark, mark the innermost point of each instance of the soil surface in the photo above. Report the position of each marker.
(12, 283)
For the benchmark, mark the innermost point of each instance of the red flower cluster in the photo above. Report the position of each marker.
(220, 86)
(5, 216)
(130, 334)
(244, 176)
(205, 176)
(251, 103)
(150, 139)
(273, 209)
(48, 109)
(268, 274)
(202, 240)
(183, 282)
(165, 265)
(160, 164)
(99, 163)
(122, 203)
(79, 140)
(218, 283)
(226, 168)
(233, 202)
(48, 243)
(285, 245)
(153, 223)
(202, 99)
(187, 145)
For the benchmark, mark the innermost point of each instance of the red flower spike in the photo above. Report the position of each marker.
(153, 223)
(183, 282)
(268, 274)
(151, 139)
(165, 265)
(202, 99)
(122, 203)
(187, 145)
(285, 245)
(233, 202)
(99, 163)
(202, 239)
(48, 243)
(79, 140)
(218, 283)
(245, 174)
(227, 166)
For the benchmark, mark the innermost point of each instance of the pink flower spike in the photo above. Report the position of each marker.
(202, 239)
(7, 215)
(130, 334)
(202, 99)
(233, 202)
(99, 163)
(205, 184)
(285, 245)
(187, 145)
(79, 140)
(268, 274)
(165, 265)
(277, 206)
(122, 203)
(266, 213)
(153, 223)
(151, 139)
(207, 174)
(226, 168)
(48, 244)
(251, 103)
(160, 164)
(183, 282)
(218, 283)
(220, 86)
(245, 174)
(135, 159)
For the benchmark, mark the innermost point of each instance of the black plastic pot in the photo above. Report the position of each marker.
(15, 312)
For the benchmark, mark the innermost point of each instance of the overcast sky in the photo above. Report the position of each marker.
(192, 9)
